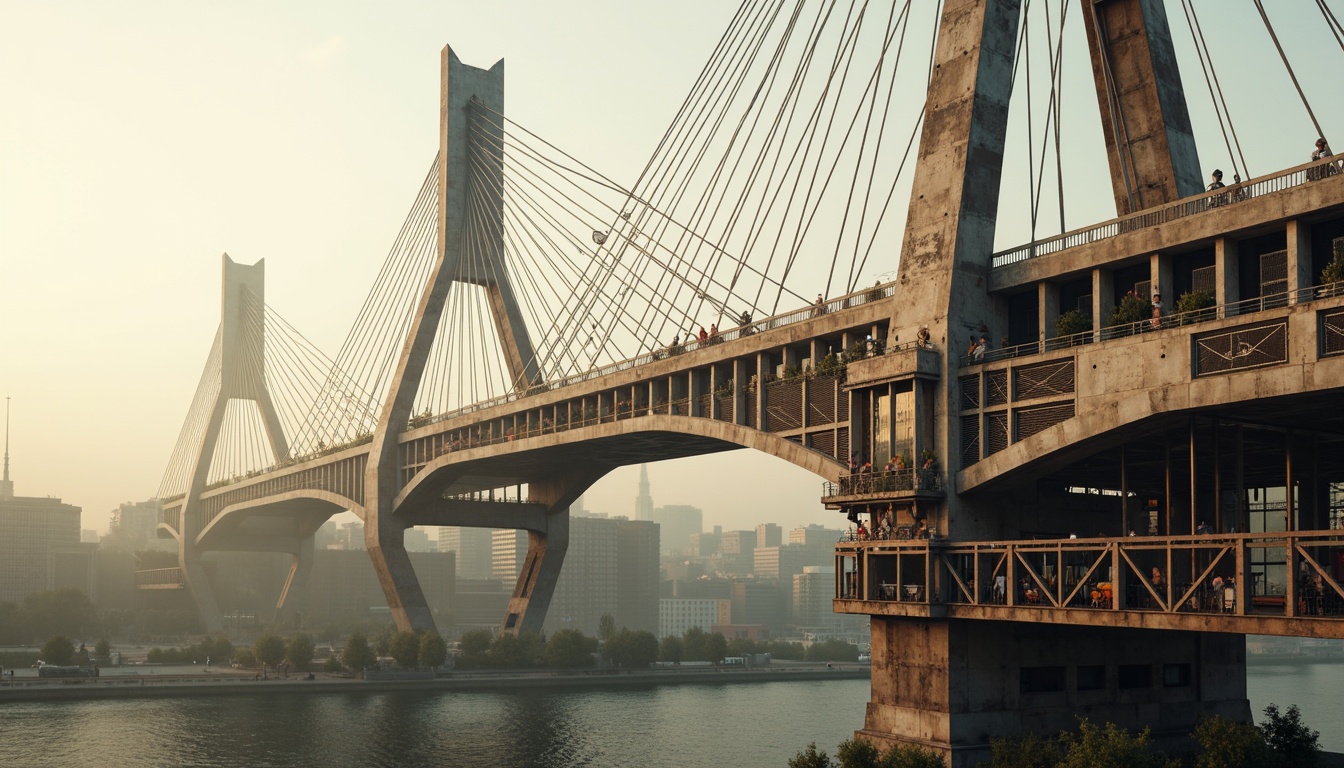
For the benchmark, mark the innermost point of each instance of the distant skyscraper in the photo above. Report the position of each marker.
(133, 526)
(769, 535)
(40, 548)
(644, 502)
(474, 551)
(508, 551)
(678, 523)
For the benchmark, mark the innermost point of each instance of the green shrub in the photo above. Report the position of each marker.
(1229, 744)
(1071, 322)
(1193, 301)
(1289, 738)
(1130, 310)
(1029, 751)
(1109, 747)
(811, 758)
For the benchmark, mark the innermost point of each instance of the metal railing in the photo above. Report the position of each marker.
(887, 481)
(1189, 206)
(848, 301)
(1286, 575)
(160, 577)
(1162, 323)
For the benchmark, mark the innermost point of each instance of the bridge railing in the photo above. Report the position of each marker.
(848, 301)
(1164, 322)
(887, 481)
(1286, 574)
(1189, 206)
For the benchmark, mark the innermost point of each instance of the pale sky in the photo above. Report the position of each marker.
(140, 140)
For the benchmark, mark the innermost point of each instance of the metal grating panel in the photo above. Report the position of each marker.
(1332, 333)
(970, 392)
(996, 428)
(1044, 380)
(821, 393)
(823, 441)
(1274, 279)
(1041, 417)
(751, 410)
(784, 405)
(1239, 349)
(842, 408)
(725, 408)
(970, 440)
(996, 388)
(1205, 280)
(842, 443)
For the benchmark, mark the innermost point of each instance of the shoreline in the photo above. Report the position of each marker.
(153, 686)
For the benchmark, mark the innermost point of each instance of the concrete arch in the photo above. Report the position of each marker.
(235, 514)
(703, 436)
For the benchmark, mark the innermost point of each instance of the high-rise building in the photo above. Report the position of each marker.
(344, 584)
(637, 581)
(736, 547)
(508, 550)
(678, 522)
(677, 615)
(40, 547)
(769, 535)
(474, 550)
(133, 527)
(643, 502)
(813, 593)
(706, 543)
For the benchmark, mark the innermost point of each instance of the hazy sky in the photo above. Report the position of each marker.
(140, 140)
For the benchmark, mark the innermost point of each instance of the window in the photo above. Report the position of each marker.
(1135, 676)
(1041, 679)
(1091, 677)
(1176, 675)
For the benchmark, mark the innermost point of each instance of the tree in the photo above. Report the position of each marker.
(1071, 322)
(1229, 744)
(333, 664)
(269, 649)
(606, 627)
(102, 649)
(1289, 738)
(219, 650)
(857, 753)
(299, 652)
(716, 647)
(357, 654)
(405, 648)
(474, 649)
(671, 649)
(693, 643)
(1109, 747)
(631, 649)
(1028, 751)
(570, 649)
(833, 650)
(59, 612)
(516, 651)
(245, 657)
(58, 650)
(811, 758)
(433, 650)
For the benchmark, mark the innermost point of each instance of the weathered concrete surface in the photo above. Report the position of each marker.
(1241, 219)
(1149, 141)
(954, 685)
(1125, 381)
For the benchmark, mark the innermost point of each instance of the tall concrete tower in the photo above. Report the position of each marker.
(6, 485)
(643, 502)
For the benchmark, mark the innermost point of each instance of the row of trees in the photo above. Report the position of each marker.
(410, 650)
(43, 615)
(1282, 741)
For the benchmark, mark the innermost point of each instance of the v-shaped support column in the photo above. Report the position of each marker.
(242, 368)
(470, 250)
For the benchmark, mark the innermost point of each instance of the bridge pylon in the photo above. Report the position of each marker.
(242, 376)
(470, 250)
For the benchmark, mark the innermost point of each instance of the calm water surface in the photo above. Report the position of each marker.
(745, 726)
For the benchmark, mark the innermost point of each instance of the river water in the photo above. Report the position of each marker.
(745, 725)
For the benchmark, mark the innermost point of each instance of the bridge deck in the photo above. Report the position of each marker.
(1225, 583)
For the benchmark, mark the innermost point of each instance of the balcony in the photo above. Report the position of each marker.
(883, 486)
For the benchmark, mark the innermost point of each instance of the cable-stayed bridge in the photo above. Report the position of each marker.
(1170, 372)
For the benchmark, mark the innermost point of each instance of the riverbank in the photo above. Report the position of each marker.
(132, 686)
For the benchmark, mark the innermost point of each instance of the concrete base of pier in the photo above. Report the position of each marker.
(954, 686)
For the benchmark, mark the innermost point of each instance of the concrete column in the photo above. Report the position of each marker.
(1047, 303)
(1228, 271)
(740, 395)
(1299, 258)
(1160, 273)
(547, 543)
(1149, 140)
(1103, 299)
(697, 389)
(758, 399)
(299, 569)
(715, 379)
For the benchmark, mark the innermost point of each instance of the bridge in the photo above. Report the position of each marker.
(1086, 513)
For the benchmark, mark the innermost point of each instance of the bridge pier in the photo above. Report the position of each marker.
(299, 569)
(384, 538)
(955, 685)
(202, 591)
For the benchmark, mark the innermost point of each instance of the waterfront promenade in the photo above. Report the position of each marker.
(145, 682)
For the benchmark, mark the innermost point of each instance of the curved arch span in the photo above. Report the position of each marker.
(235, 514)
(703, 436)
